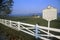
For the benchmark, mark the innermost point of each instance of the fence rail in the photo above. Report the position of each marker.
(29, 28)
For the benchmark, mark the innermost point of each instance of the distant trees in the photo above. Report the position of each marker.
(6, 7)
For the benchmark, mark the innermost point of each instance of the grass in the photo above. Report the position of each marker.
(40, 21)
(21, 35)
(11, 34)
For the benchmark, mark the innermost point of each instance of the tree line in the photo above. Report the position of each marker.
(6, 7)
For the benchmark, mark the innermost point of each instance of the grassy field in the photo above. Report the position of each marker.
(12, 34)
(40, 21)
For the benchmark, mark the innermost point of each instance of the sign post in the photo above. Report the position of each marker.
(49, 14)
(48, 27)
(36, 32)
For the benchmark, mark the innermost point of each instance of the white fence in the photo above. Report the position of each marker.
(29, 28)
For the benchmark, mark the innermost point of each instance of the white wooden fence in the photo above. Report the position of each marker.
(29, 28)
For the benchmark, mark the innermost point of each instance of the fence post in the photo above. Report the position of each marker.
(0, 20)
(36, 31)
(18, 26)
(10, 23)
(5, 22)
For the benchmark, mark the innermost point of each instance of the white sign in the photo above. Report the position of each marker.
(50, 13)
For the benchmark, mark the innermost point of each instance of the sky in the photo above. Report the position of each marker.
(29, 7)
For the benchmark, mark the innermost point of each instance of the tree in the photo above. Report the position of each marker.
(6, 7)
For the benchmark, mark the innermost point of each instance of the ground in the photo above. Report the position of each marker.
(11, 34)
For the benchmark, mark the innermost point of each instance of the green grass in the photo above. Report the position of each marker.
(11, 33)
(22, 35)
(40, 21)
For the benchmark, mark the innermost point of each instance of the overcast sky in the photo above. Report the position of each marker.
(27, 7)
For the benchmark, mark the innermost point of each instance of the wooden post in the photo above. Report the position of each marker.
(10, 23)
(0, 20)
(18, 26)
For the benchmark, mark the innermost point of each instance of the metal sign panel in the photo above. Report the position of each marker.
(50, 13)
